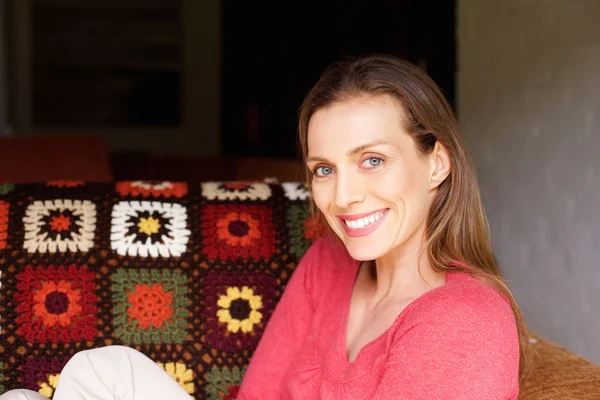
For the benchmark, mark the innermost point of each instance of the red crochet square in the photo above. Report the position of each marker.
(234, 231)
(56, 304)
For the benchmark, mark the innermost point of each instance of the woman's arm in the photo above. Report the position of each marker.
(284, 334)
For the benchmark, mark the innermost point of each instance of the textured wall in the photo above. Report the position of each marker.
(529, 107)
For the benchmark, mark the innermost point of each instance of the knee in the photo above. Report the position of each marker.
(22, 394)
(102, 355)
(108, 357)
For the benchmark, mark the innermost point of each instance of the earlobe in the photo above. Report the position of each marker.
(441, 165)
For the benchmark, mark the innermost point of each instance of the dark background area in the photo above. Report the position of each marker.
(177, 89)
(274, 52)
(102, 64)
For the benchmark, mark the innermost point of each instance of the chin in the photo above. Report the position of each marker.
(363, 251)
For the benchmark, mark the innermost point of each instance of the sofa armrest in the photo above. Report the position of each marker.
(557, 373)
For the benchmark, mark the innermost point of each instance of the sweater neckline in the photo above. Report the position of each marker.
(344, 316)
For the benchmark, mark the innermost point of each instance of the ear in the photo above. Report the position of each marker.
(440, 165)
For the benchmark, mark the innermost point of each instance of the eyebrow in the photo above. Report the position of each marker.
(355, 150)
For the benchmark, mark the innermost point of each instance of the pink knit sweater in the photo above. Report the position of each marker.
(458, 341)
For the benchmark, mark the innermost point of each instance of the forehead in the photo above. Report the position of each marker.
(354, 122)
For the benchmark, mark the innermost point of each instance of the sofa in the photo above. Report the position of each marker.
(187, 273)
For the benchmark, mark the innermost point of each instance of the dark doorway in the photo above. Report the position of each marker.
(272, 52)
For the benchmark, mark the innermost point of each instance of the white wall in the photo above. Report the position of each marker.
(529, 107)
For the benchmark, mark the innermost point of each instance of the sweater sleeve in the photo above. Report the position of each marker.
(284, 334)
(464, 347)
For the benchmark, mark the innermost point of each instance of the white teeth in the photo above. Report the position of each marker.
(362, 222)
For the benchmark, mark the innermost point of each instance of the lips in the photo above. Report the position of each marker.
(363, 224)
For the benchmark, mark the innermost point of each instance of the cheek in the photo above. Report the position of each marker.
(320, 198)
(416, 197)
(408, 191)
(394, 185)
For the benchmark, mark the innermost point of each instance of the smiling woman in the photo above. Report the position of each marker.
(402, 298)
(373, 170)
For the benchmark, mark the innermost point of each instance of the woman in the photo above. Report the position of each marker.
(407, 302)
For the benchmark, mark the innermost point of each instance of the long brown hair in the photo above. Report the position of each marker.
(457, 228)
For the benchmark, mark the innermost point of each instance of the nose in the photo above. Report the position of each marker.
(348, 190)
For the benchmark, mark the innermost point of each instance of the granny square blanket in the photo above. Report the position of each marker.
(187, 273)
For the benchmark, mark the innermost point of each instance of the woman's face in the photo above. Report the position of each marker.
(369, 180)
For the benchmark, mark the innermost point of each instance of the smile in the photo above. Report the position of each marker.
(361, 225)
(362, 222)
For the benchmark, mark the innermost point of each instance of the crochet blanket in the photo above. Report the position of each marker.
(187, 273)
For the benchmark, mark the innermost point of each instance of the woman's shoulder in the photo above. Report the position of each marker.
(326, 261)
(463, 288)
(465, 301)
(329, 255)
(468, 329)
(325, 265)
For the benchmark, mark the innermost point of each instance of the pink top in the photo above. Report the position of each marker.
(458, 341)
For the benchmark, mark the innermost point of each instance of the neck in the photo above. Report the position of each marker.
(405, 271)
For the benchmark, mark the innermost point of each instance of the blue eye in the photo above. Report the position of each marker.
(373, 162)
(323, 171)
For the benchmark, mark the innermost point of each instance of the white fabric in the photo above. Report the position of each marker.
(110, 373)
(22, 394)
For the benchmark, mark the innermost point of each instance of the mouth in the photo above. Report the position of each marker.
(364, 224)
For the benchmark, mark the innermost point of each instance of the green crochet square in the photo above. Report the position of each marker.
(150, 306)
(224, 383)
(303, 232)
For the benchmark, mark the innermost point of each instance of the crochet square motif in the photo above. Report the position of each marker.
(56, 304)
(236, 307)
(149, 229)
(150, 306)
(60, 225)
(237, 231)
